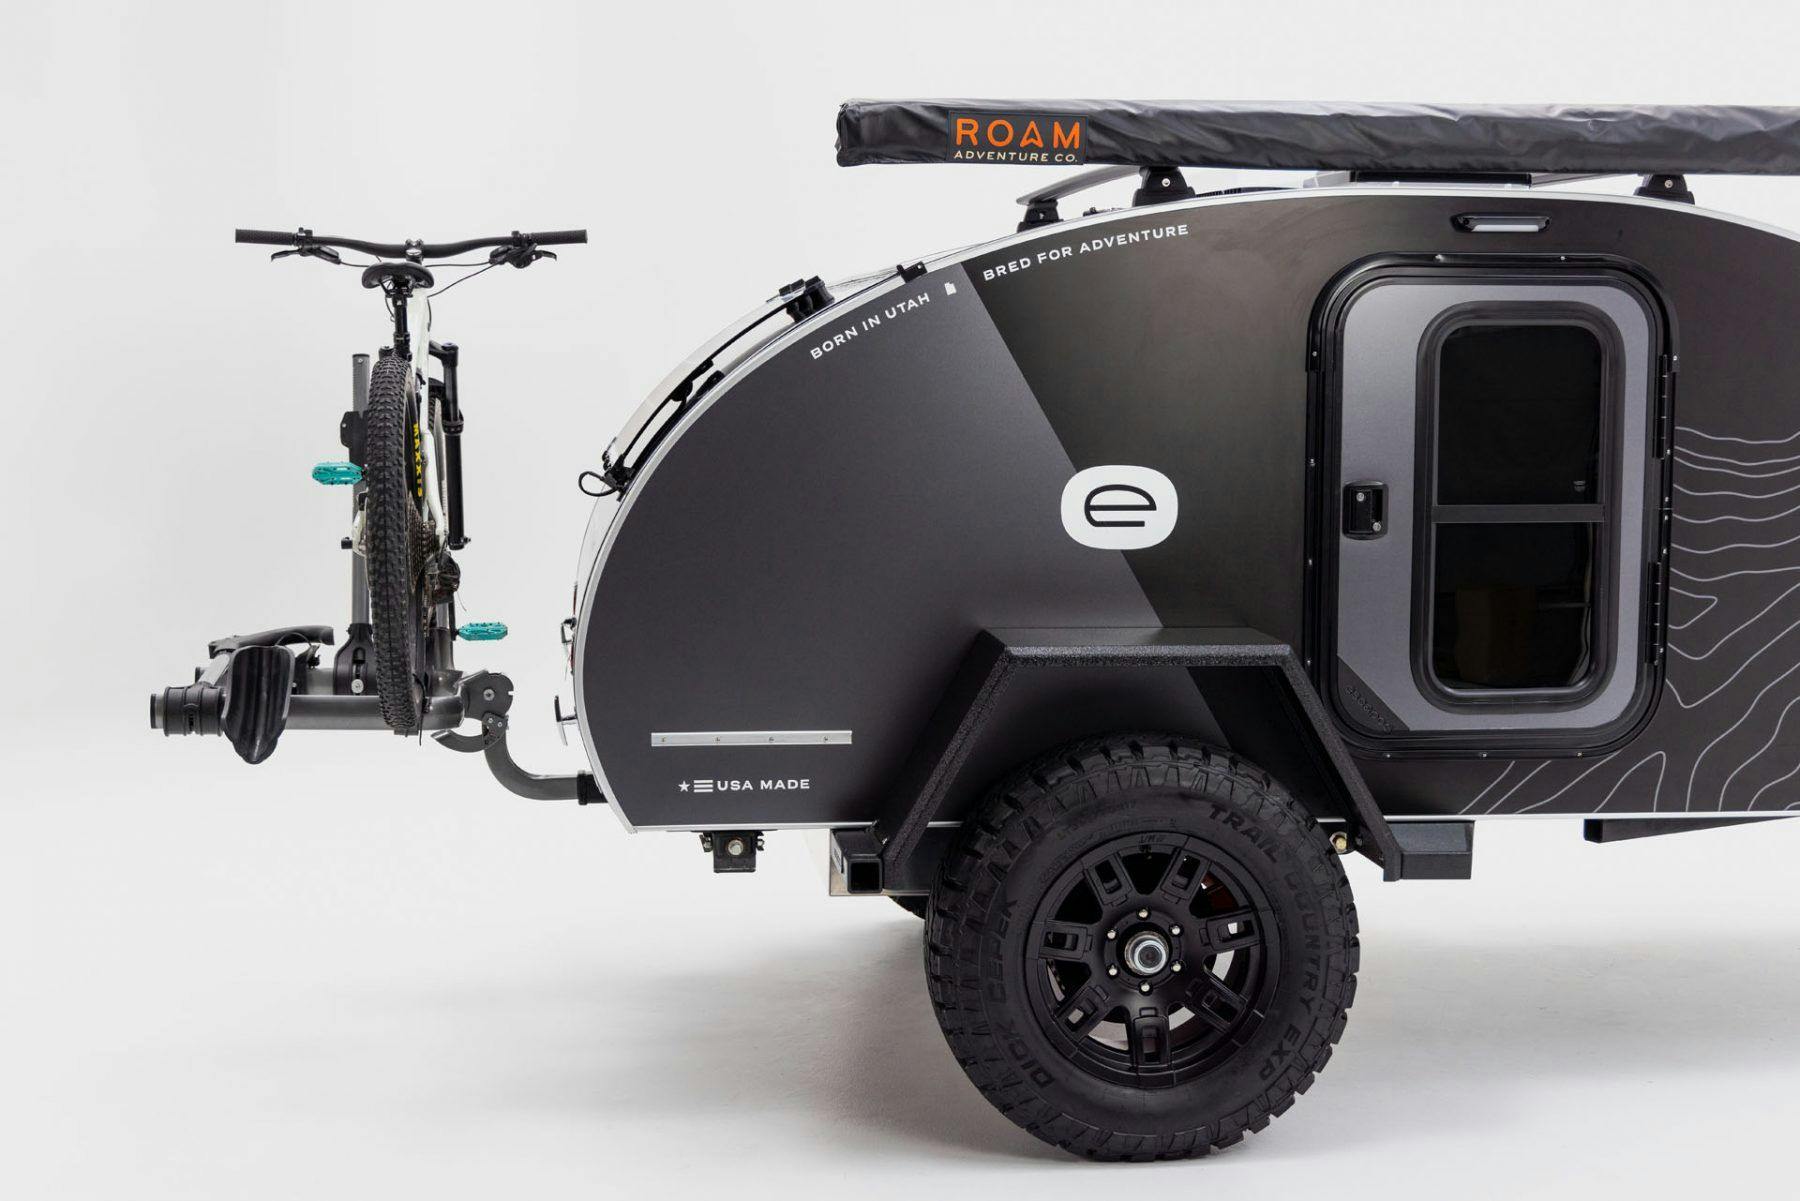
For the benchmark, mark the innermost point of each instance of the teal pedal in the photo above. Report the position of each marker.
(481, 631)
(337, 473)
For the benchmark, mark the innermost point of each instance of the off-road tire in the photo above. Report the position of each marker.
(1026, 835)
(394, 541)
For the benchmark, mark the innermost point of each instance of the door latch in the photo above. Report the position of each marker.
(1365, 509)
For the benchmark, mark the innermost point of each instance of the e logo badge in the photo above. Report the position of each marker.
(1119, 507)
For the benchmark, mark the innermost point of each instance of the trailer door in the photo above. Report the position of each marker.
(1490, 537)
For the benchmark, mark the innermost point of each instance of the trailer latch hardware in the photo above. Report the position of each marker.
(1365, 509)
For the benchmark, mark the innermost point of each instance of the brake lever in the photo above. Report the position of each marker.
(518, 256)
(327, 253)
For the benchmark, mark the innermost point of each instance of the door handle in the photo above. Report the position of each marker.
(1365, 509)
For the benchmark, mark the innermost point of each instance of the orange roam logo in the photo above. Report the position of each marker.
(1016, 138)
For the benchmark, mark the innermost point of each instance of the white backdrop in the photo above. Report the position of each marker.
(362, 968)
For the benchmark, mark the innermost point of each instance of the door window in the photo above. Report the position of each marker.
(1513, 537)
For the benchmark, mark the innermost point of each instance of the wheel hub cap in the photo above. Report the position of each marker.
(1146, 953)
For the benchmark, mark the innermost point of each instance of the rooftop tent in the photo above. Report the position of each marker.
(1426, 138)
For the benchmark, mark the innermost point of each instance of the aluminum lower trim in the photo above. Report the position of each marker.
(751, 738)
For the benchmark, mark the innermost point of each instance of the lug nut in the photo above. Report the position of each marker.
(1112, 934)
(1175, 967)
(1144, 987)
(1112, 971)
(1143, 913)
(1174, 929)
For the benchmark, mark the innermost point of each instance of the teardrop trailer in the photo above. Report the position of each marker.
(1097, 587)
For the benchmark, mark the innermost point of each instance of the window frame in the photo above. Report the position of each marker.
(1601, 516)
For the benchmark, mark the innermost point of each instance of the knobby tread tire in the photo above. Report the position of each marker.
(1091, 782)
(394, 536)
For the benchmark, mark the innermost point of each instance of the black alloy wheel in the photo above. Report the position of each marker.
(1141, 947)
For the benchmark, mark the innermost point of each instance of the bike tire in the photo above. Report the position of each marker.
(395, 541)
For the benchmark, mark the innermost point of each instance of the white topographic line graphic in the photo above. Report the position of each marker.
(1709, 651)
(1504, 772)
(1685, 491)
(1596, 766)
(1731, 729)
(1683, 461)
(1705, 596)
(1719, 550)
(1695, 454)
(1734, 516)
(1725, 788)
(1523, 780)
(1699, 433)
(1732, 670)
(1662, 758)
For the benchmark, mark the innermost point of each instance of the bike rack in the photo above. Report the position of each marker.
(311, 694)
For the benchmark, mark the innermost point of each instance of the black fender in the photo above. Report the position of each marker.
(1255, 685)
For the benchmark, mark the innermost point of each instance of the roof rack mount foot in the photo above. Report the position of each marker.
(1159, 185)
(1665, 187)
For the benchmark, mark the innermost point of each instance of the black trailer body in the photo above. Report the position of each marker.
(788, 586)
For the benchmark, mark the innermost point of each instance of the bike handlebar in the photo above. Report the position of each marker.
(410, 250)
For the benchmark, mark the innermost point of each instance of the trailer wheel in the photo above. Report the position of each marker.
(1141, 948)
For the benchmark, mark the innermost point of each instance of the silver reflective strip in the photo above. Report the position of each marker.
(752, 738)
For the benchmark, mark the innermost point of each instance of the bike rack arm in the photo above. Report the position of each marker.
(486, 697)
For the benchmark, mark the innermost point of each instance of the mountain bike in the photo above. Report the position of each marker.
(403, 436)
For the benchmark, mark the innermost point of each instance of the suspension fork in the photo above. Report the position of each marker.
(448, 356)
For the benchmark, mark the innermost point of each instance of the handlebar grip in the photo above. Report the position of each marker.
(558, 237)
(267, 237)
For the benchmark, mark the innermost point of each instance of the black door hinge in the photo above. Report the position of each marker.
(1666, 367)
(1655, 607)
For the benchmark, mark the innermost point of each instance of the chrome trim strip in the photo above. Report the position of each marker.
(752, 738)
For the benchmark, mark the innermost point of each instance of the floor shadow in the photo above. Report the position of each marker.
(844, 1037)
(1482, 1035)
(1444, 1035)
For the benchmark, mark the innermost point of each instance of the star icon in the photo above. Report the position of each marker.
(683, 786)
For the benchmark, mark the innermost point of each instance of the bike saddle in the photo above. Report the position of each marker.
(376, 275)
